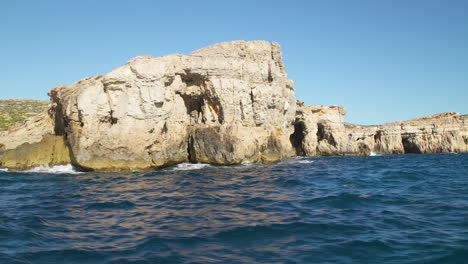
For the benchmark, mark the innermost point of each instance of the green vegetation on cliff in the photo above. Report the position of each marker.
(13, 111)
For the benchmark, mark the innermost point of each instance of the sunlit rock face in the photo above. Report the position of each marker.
(320, 130)
(223, 104)
(33, 143)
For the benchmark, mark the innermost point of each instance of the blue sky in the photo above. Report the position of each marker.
(383, 60)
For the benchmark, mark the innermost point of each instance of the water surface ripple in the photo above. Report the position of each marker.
(381, 209)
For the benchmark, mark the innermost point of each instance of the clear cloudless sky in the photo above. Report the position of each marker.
(383, 60)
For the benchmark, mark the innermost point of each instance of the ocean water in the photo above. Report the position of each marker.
(378, 209)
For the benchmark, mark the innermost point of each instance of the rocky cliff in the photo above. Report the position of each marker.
(224, 104)
(321, 131)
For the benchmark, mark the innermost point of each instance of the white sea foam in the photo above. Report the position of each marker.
(246, 163)
(190, 166)
(299, 159)
(59, 169)
(372, 153)
(3, 169)
(305, 161)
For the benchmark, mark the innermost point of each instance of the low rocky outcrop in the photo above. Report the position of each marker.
(321, 131)
(224, 104)
(33, 143)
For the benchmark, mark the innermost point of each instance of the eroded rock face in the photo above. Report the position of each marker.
(223, 104)
(33, 143)
(323, 133)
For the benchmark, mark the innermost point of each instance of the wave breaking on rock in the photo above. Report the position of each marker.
(57, 169)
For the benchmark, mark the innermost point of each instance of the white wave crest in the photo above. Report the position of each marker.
(305, 161)
(372, 153)
(3, 169)
(190, 166)
(59, 169)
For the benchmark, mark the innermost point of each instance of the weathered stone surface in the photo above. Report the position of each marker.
(229, 101)
(224, 104)
(33, 143)
(51, 150)
(440, 133)
(31, 131)
(323, 132)
(464, 129)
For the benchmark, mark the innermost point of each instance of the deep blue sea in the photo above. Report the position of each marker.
(379, 209)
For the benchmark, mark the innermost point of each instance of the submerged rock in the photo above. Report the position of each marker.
(224, 104)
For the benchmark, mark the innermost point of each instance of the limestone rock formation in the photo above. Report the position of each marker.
(33, 143)
(320, 130)
(224, 104)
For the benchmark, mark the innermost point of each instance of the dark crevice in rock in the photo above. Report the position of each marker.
(164, 128)
(56, 112)
(196, 99)
(169, 81)
(113, 120)
(193, 104)
(193, 101)
(242, 110)
(80, 118)
(110, 118)
(322, 134)
(408, 145)
(252, 99)
(297, 137)
(270, 76)
(378, 136)
(192, 78)
(252, 102)
(191, 150)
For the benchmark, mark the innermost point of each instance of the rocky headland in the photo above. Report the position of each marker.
(321, 131)
(224, 104)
